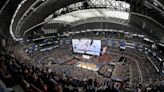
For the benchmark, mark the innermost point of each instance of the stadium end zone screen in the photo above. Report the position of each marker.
(87, 46)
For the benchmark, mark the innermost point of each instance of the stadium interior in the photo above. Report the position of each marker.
(82, 46)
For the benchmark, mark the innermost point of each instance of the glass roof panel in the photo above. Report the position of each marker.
(89, 13)
(84, 14)
(116, 14)
(67, 18)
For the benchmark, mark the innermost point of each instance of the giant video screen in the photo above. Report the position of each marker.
(86, 46)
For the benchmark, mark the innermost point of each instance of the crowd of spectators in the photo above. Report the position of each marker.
(33, 79)
(18, 68)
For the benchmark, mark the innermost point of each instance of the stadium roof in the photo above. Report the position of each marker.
(32, 12)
